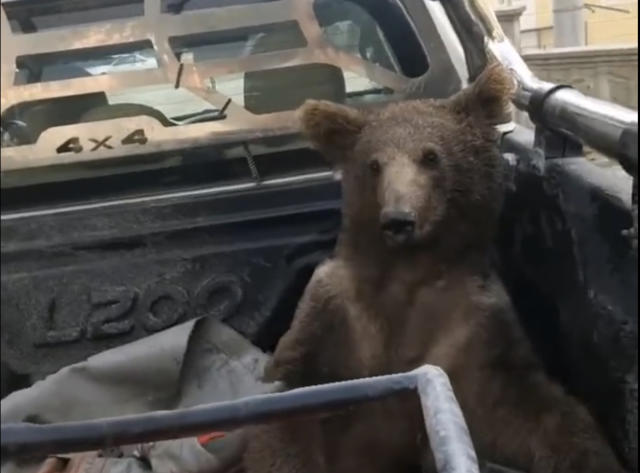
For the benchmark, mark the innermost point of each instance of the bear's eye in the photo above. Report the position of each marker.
(374, 167)
(429, 158)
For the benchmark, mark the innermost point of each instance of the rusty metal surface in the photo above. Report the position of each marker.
(158, 27)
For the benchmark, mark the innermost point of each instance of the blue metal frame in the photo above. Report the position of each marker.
(444, 422)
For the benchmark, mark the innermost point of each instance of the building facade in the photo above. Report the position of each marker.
(604, 22)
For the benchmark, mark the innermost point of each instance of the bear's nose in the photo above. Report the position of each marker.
(398, 223)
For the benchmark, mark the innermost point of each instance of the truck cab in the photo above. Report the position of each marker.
(152, 173)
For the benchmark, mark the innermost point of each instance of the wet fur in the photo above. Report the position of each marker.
(374, 310)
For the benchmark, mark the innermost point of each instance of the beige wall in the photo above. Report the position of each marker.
(606, 72)
(539, 38)
(544, 13)
(612, 27)
(602, 26)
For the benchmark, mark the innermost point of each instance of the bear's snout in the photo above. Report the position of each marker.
(398, 226)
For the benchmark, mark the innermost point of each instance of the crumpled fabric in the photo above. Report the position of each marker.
(198, 362)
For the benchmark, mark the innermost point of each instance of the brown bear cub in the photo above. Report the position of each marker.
(410, 285)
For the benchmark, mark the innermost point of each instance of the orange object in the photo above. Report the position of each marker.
(206, 438)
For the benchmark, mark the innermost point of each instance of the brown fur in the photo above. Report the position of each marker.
(377, 308)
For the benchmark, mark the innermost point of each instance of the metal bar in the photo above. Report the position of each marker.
(321, 176)
(22, 439)
(130, 30)
(444, 422)
(595, 6)
(448, 434)
(608, 128)
(602, 125)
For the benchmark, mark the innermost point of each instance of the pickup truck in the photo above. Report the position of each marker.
(152, 173)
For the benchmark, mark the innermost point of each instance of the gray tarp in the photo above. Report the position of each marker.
(198, 362)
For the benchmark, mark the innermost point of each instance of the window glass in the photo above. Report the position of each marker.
(376, 31)
(350, 28)
(239, 42)
(71, 64)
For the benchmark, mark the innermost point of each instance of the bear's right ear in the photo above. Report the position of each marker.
(489, 97)
(332, 129)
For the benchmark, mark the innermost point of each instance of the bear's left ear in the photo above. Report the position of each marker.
(488, 97)
(333, 129)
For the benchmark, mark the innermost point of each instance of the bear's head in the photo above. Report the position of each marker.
(418, 173)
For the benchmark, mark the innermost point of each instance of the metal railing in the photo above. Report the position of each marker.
(444, 422)
(606, 127)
